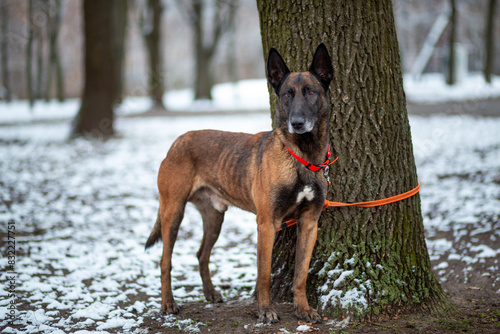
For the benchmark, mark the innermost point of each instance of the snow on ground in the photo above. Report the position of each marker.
(458, 161)
(239, 96)
(83, 210)
(432, 88)
(82, 213)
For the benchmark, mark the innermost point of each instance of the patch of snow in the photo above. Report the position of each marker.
(186, 325)
(95, 311)
(484, 251)
(347, 299)
(138, 307)
(125, 324)
(37, 317)
(454, 257)
(432, 88)
(303, 328)
(342, 277)
(342, 324)
(442, 265)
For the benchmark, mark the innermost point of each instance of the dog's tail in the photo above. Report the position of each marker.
(155, 235)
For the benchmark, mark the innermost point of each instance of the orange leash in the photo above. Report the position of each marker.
(368, 204)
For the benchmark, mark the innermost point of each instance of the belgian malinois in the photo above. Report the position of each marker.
(275, 175)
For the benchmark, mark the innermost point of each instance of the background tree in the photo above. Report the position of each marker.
(104, 32)
(151, 32)
(40, 38)
(29, 55)
(450, 80)
(44, 23)
(489, 41)
(54, 12)
(4, 16)
(206, 40)
(367, 262)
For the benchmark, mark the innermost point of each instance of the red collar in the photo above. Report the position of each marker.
(311, 166)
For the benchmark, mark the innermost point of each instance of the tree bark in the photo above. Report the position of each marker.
(450, 80)
(119, 24)
(489, 42)
(151, 27)
(368, 262)
(40, 63)
(54, 23)
(104, 44)
(5, 50)
(203, 81)
(29, 56)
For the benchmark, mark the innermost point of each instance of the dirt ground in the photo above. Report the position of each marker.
(477, 302)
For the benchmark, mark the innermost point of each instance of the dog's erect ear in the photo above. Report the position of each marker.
(321, 66)
(277, 70)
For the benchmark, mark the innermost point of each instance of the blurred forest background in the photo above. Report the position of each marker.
(42, 43)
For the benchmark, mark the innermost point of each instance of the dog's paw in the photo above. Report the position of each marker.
(213, 296)
(268, 315)
(170, 308)
(307, 314)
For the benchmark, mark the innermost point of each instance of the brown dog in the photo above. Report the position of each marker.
(267, 174)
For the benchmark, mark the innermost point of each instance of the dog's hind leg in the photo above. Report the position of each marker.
(171, 218)
(212, 223)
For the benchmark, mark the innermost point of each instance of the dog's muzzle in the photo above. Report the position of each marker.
(299, 125)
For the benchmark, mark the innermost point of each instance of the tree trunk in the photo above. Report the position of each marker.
(489, 43)
(203, 84)
(222, 18)
(104, 41)
(29, 56)
(151, 27)
(40, 66)
(5, 50)
(54, 20)
(232, 65)
(119, 24)
(450, 80)
(368, 262)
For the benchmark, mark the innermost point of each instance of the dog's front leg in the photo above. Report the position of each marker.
(306, 238)
(265, 240)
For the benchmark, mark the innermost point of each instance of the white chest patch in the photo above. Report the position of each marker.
(307, 193)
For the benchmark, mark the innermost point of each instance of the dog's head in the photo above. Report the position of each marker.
(302, 96)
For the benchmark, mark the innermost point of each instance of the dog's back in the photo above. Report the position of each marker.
(216, 166)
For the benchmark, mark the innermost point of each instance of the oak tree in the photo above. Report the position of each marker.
(206, 40)
(104, 35)
(151, 32)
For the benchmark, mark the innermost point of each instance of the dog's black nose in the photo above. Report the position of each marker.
(298, 124)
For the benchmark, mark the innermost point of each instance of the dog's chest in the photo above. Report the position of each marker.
(293, 198)
(307, 194)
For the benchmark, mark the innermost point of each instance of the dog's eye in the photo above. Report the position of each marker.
(287, 95)
(311, 92)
